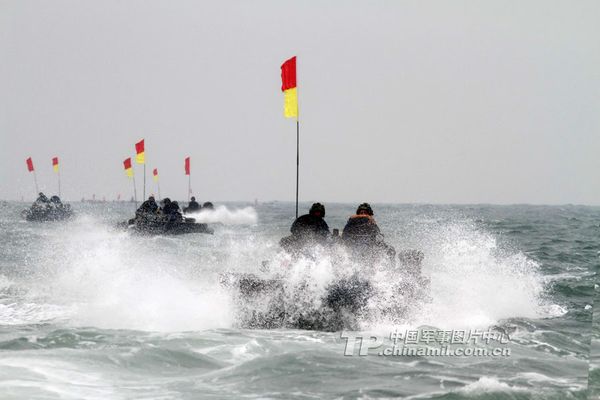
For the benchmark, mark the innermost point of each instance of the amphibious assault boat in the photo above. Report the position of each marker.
(163, 226)
(354, 295)
(47, 213)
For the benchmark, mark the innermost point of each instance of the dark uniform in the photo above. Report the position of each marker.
(312, 226)
(175, 212)
(363, 237)
(41, 204)
(42, 199)
(308, 229)
(361, 230)
(193, 206)
(167, 206)
(149, 206)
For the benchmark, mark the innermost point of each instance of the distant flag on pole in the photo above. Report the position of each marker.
(187, 165)
(30, 168)
(139, 150)
(29, 162)
(155, 174)
(55, 164)
(128, 169)
(288, 87)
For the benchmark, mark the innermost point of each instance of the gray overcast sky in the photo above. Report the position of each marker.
(400, 101)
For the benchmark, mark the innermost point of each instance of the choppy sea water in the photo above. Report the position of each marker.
(88, 311)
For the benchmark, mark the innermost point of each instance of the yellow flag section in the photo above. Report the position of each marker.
(290, 103)
(289, 88)
(128, 168)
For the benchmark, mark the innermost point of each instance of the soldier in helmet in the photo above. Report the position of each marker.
(193, 206)
(42, 198)
(148, 207)
(41, 204)
(362, 235)
(307, 229)
(55, 202)
(361, 228)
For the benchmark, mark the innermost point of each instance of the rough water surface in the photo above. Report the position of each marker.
(91, 312)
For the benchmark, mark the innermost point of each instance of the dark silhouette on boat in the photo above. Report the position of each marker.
(44, 210)
(150, 219)
(162, 226)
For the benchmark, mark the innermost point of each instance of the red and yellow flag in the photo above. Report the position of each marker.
(288, 87)
(187, 166)
(29, 162)
(155, 174)
(139, 150)
(55, 164)
(128, 169)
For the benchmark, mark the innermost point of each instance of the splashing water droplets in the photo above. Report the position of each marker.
(97, 276)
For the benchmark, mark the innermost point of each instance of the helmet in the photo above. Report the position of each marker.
(317, 207)
(55, 199)
(193, 198)
(208, 205)
(166, 200)
(365, 207)
(151, 198)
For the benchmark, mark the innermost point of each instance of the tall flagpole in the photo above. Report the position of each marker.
(289, 87)
(140, 158)
(297, 161)
(156, 180)
(58, 182)
(37, 189)
(188, 171)
(297, 149)
(134, 191)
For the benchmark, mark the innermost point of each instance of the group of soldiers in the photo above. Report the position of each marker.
(361, 233)
(44, 204)
(168, 211)
(47, 209)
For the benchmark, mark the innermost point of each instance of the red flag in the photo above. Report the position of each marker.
(128, 169)
(288, 74)
(155, 172)
(29, 162)
(187, 166)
